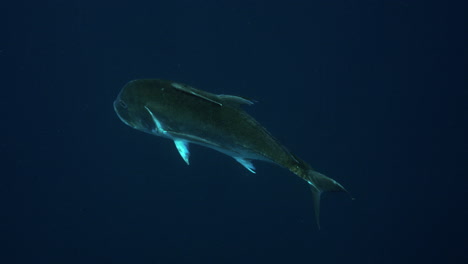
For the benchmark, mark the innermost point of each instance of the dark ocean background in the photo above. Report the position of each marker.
(371, 93)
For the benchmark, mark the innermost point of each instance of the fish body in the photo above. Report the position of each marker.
(190, 116)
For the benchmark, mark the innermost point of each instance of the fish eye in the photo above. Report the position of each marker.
(123, 104)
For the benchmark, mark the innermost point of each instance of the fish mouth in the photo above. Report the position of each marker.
(116, 109)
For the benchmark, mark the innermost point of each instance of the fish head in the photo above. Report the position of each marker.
(130, 106)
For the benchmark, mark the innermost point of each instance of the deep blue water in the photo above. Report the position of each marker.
(371, 93)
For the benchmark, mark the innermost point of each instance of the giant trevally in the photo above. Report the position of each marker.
(187, 115)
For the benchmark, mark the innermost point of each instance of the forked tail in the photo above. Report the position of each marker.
(319, 184)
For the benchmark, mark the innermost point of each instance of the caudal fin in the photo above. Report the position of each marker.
(319, 184)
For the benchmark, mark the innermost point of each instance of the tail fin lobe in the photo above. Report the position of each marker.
(319, 184)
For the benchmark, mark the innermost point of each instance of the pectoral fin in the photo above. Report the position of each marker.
(246, 163)
(183, 148)
(191, 138)
(158, 129)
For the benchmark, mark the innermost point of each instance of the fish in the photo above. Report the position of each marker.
(187, 115)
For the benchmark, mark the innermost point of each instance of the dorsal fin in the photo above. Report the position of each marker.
(197, 93)
(220, 100)
(235, 100)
